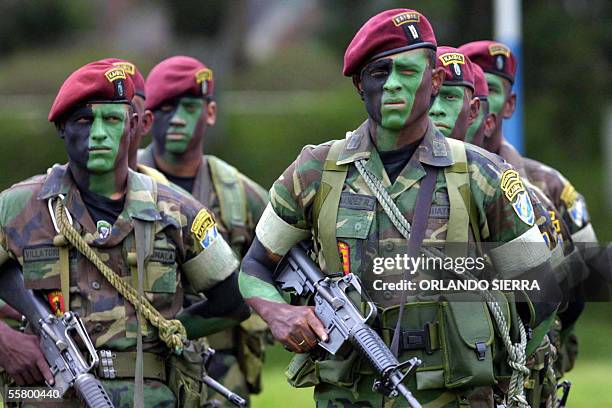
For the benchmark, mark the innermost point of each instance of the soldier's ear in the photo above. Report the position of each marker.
(61, 130)
(357, 83)
(474, 110)
(147, 121)
(437, 79)
(509, 106)
(211, 113)
(490, 124)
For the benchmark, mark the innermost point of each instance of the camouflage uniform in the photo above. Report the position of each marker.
(572, 211)
(366, 232)
(239, 357)
(27, 234)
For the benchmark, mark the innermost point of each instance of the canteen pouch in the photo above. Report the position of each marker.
(306, 371)
(467, 340)
(184, 377)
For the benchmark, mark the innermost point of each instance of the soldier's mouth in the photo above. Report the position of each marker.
(100, 149)
(395, 104)
(441, 125)
(175, 136)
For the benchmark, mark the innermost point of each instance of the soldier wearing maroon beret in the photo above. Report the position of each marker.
(180, 94)
(484, 126)
(455, 108)
(145, 116)
(391, 188)
(83, 228)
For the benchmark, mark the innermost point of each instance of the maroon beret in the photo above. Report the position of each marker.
(493, 57)
(129, 68)
(97, 81)
(389, 32)
(458, 68)
(481, 90)
(177, 76)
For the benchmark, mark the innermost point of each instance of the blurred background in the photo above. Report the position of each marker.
(279, 86)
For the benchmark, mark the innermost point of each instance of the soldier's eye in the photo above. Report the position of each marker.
(112, 119)
(166, 108)
(378, 73)
(190, 107)
(83, 120)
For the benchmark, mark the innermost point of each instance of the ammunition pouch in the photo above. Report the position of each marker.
(456, 340)
(253, 336)
(185, 377)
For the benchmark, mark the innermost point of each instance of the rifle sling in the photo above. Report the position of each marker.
(417, 234)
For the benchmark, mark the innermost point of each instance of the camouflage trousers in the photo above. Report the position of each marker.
(361, 395)
(156, 395)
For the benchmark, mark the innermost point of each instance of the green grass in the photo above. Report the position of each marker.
(591, 378)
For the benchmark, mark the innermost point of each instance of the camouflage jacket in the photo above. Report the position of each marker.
(206, 192)
(180, 255)
(367, 230)
(570, 204)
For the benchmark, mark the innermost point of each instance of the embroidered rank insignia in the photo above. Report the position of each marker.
(499, 49)
(344, 252)
(515, 192)
(452, 58)
(56, 301)
(126, 66)
(114, 74)
(405, 18)
(204, 74)
(204, 228)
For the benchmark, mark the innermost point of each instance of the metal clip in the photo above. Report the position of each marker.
(106, 361)
(481, 350)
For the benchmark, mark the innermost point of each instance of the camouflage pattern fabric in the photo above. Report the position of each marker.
(366, 233)
(224, 365)
(27, 235)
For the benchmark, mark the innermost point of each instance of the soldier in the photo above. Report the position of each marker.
(484, 125)
(456, 107)
(332, 194)
(148, 234)
(180, 94)
(554, 231)
(499, 65)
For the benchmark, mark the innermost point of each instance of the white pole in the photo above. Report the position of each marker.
(508, 30)
(607, 142)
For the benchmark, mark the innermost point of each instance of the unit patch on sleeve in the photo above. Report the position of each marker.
(514, 190)
(204, 228)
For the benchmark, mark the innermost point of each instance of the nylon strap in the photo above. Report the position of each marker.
(232, 197)
(64, 264)
(143, 233)
(457, 177)
(417, 234)
(325, 207)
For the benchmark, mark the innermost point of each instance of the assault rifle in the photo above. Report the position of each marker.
(58, 338)
(343, 321)
(213, 384)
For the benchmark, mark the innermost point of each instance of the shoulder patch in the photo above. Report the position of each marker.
(514, 190)
(204, 228)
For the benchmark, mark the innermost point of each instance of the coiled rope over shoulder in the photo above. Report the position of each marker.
(172, 332)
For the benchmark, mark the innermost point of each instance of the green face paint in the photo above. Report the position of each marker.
(96, 138)
(394, 94)
(107, 129)
(175, 124)
(447, 107)
(497, 93)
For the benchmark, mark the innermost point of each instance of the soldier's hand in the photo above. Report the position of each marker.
(297, 327)
(21, 357)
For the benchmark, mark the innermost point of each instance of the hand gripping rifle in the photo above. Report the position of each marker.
(58, 337)
(344, 322)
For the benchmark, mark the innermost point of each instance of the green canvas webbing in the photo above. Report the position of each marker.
(325, 207)
(462, 208)
(232, 197)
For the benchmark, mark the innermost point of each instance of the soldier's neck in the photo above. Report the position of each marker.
(387, 139)
(185, 164)
(112, 184)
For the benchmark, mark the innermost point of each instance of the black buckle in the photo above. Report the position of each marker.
(417, 339)
(481, 350)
